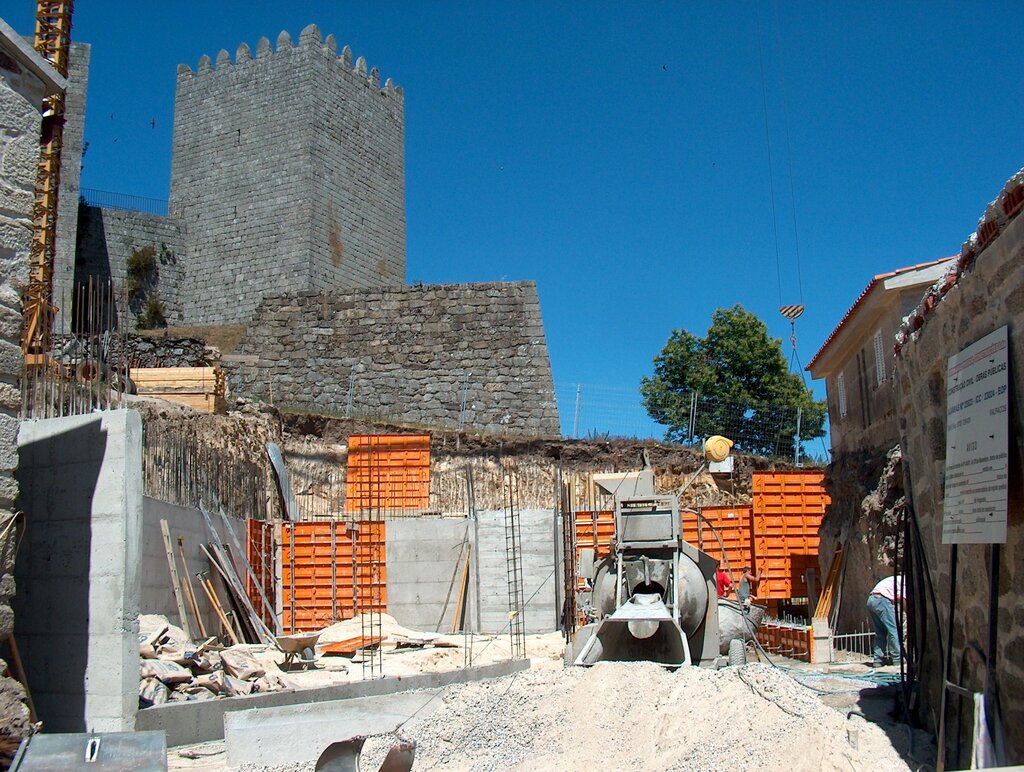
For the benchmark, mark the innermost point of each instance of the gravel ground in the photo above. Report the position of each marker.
(638, 716)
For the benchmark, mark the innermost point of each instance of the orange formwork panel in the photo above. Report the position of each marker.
(788, 508)
(331, 570)
(734, 525)
(791, 641)
(595, 529)
(388, 472)
(260, 550)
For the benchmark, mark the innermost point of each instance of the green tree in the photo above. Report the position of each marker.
(733, 381)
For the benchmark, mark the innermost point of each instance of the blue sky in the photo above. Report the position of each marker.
(616, 152)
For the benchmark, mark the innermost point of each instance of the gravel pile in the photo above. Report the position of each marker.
(637, 715)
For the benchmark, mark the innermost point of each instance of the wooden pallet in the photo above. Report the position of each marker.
(201, 388)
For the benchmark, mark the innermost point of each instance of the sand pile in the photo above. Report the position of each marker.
(639, 716)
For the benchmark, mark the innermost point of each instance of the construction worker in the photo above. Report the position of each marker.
(746, 589)
(882, 608)
(723, 582)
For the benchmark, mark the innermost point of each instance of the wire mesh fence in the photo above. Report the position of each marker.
(594, 412)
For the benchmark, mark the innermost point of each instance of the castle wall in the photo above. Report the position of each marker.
(70, 174)
(407, 352)
(287, 171)
(106, 239)
(358, 178)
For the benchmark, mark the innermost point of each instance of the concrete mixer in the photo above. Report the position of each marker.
(654, 599)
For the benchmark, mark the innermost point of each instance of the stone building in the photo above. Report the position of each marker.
(982, 291)
(26, 79)
(288, 171)
(288, 184)
(865, 479)
(856, 359)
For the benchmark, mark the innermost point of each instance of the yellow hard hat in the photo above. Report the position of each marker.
(717, 447)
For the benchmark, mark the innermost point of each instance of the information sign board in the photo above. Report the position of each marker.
(977, 429)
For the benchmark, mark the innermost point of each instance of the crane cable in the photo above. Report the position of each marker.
(794, 311)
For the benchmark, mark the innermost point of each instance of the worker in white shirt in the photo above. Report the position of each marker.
(882, 608)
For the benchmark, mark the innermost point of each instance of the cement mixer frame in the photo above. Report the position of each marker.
(654, 599)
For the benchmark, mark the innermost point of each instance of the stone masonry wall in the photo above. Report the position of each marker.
(985, 292)
(70, 174)
(20, 96)
(358, 175)
(287, 172)
(408, 353)
(107, 237)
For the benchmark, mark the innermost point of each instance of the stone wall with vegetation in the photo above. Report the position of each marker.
(141, 254)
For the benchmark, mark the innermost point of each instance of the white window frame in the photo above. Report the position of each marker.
(841, 394)
(880, 371)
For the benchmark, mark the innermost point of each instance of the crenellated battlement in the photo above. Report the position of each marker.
(309, 41)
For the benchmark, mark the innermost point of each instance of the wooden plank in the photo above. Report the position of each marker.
(175, 581)
(349, 646)
(190, 593)
(463, 586)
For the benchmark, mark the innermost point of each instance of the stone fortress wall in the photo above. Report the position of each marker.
(407, 354)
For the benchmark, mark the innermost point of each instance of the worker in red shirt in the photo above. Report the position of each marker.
(724, 582)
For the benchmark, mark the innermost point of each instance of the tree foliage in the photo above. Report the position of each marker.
(733, 381)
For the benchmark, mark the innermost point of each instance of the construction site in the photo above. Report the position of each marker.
(324, 519)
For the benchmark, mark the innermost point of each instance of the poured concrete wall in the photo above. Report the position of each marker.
(78, 568)
(156, 595)
(424, 571)
(540, 577)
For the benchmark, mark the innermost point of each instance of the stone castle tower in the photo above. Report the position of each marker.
(287, 174)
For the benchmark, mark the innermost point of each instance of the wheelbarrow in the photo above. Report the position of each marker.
(298, 649)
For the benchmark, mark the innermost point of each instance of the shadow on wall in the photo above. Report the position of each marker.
(93, 263)
(58, 477)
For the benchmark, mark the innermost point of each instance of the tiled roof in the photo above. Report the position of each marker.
(860, 299)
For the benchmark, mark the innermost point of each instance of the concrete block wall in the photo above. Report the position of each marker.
(70, 177)
(78, 568)
(540, 574)
(423, 556)
(287, 167)
(155, 585)
(106, 239)
(410, 349)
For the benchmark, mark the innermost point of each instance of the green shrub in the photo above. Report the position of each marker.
(142, 272)
(153, 315)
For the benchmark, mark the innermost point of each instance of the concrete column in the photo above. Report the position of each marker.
(78, 568)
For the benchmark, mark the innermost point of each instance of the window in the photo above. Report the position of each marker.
(841, 388)
(880, 374)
